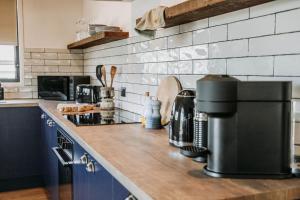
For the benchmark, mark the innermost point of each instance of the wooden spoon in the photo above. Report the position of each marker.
(103, 71)
(113, 71)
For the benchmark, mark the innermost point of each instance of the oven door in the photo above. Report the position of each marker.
(65, 172)
(53, 88)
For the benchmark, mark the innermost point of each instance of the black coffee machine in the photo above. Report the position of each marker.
(248, 127)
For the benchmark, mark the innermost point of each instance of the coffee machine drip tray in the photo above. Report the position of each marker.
(107, 117)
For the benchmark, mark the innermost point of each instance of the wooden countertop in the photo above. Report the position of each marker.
(149, 168)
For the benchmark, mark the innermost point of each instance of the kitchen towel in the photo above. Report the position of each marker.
(152, 20)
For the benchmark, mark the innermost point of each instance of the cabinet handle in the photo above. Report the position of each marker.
(84, 159)
(43, 116)
(50, 123)
(90, 167)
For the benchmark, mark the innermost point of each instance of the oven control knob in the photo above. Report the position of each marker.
(43, 116)
(84, 159)
(90, 167)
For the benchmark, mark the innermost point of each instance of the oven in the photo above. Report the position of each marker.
(64, 154)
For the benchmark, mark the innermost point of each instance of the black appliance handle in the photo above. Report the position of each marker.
(99, 74)
(60, 158)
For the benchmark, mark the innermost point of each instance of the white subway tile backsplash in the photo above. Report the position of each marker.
(181, 40)
(158, 44)
(275, 45)
(287, 65)
(194, 25)
(217, 66)
(274, 7)
(194, 52)
(251, 28)
(189, 81)
(168, 55)
(167, 32)
(229, 17)
(236, 48)
(286, 21)
(250, 66)
(210, 35)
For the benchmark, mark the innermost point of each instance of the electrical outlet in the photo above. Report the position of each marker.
(123, 91)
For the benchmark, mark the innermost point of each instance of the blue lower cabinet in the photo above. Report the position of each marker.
(20, 147)
(119, 191)
(100, 182)
(80, 175)
(90, 180)
(50, 162)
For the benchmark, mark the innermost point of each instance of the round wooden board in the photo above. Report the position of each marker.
(166, 93)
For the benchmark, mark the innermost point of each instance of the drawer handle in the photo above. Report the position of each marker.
(90, 167)
(84, 159)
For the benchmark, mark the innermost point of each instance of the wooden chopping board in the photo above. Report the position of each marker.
(166, 93)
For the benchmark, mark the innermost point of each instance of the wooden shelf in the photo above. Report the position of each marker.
(98, 38)
(194, 10)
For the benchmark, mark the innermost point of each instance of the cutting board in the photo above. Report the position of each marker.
(166, 93)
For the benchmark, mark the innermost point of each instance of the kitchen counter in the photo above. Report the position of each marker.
(20, 103)
(149, 168)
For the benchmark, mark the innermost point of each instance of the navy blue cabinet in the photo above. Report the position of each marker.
(119, 191)
(50, 162)
(90, 180)
(20, 146)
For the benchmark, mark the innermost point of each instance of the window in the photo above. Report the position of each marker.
(9, 49)
(9, 63)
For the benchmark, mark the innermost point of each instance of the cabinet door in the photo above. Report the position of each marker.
(119, 191)
(51, 175)
(80, 175)
(20, 143)
(100, 183)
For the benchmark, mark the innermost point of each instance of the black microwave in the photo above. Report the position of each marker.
(60, 88)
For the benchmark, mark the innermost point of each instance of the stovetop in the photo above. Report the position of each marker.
(110, 117)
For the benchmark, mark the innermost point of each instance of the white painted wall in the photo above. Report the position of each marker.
(108, 13)
(50, 23)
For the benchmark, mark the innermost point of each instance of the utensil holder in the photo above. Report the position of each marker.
(107, 92)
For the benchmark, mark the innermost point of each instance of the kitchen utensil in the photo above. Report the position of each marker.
(166, 94)
(113, 71)
(99, 74)
(103, 72)
(88, 94)
(181, 120)
(249, 125)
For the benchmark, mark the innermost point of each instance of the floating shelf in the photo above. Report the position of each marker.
(194, 10)
(98, 38)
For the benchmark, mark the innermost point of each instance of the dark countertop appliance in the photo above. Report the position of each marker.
(181, 121)
(86, 93)
(248, 127)
(60, 88)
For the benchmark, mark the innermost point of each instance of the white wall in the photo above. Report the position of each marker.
(108, 13)
(50, 23)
